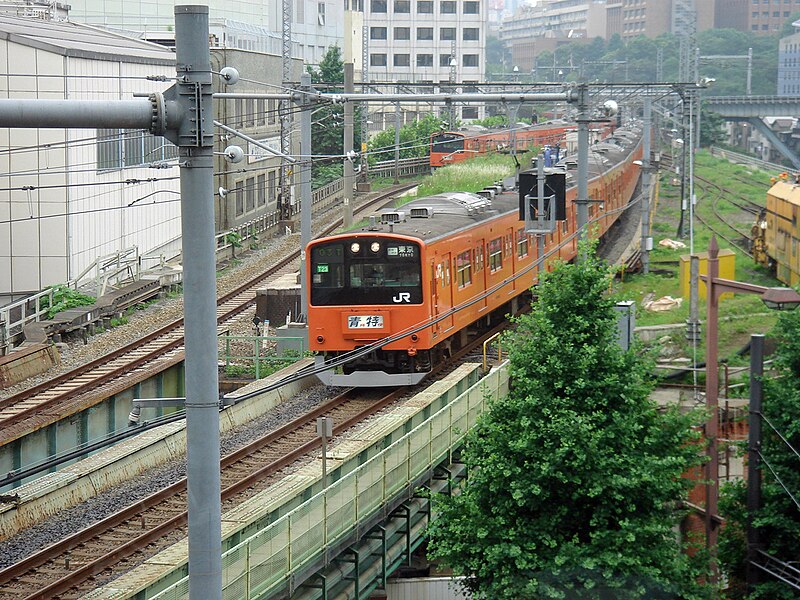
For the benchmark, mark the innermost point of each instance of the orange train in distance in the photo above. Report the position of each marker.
(388, 301)
(451, 147)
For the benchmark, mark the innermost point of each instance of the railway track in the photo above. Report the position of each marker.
(42, 404)
(715, 194)
(74, 566)
(90, 558)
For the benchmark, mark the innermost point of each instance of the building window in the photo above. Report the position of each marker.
(377, 33)
(377, 6)
(447, 33)
(402, 33)
(262, 190)
(250, 189)
(120, 148)
(321, 13)
(447, 7)
(470, 60)
(424, 60)
(239, 199)
(402, 60)
(377, 60)
(444, 60)
(471, 34)
(402, 6)
(271, 186)
(272, 111)
(425, 7)
(469, 112)
(471, 7)
(424, 33)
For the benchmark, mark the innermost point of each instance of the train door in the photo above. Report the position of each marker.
(442, 291)
(511, 252)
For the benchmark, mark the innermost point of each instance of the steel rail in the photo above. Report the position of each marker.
(134, 545)
(164, 331)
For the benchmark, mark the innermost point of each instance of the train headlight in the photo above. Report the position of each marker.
(355, 247)
(375, 247)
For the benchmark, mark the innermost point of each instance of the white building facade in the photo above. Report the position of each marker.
(434, 41)
(789, 63)
(69, 196)
(254, 25)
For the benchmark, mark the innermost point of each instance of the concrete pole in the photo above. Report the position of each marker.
(349, 126)
(582, 200)
(646, 177)
(749, 71)
(397, 139)
(200, 305)
(540, 181)
(190, 99)
(693, 324)
(753, 457)
(712, 405)
(690, 174)
(364, 175)
(305, 186)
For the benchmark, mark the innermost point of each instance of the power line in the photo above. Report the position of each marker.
(132, 204)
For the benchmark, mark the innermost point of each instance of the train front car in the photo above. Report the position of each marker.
(366, 286)
(446, 148)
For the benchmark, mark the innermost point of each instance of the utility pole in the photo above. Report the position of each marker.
(200, 301)
(646, 242)
(754, 457)
(364, 113)
(284, 110)
(349, 176)
(190, 127)
(306, 104)
(397, 139)
(582, 200)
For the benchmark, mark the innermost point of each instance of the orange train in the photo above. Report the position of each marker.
(450, 147)
(388, 301)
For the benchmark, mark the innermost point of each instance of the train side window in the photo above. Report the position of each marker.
(464, 269)
(496, 254)
(479, 258)
(522, 243)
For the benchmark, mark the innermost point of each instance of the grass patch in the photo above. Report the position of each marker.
(741, 315)
(470, 176)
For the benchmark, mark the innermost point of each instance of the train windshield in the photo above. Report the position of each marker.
(366, 271)
(447, 142)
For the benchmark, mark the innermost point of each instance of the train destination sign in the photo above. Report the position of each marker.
(365, 321)
(401, 251)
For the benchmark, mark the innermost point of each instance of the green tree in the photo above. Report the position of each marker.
(779, 517)
(711, 128)
(414, 140)
(327, 126)
(575, 477)
(497, 56)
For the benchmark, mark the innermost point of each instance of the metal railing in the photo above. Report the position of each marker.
(105, 270)
(752, 161)
(321, 198)
(263, 358)
(406, 167)
(264, 563)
